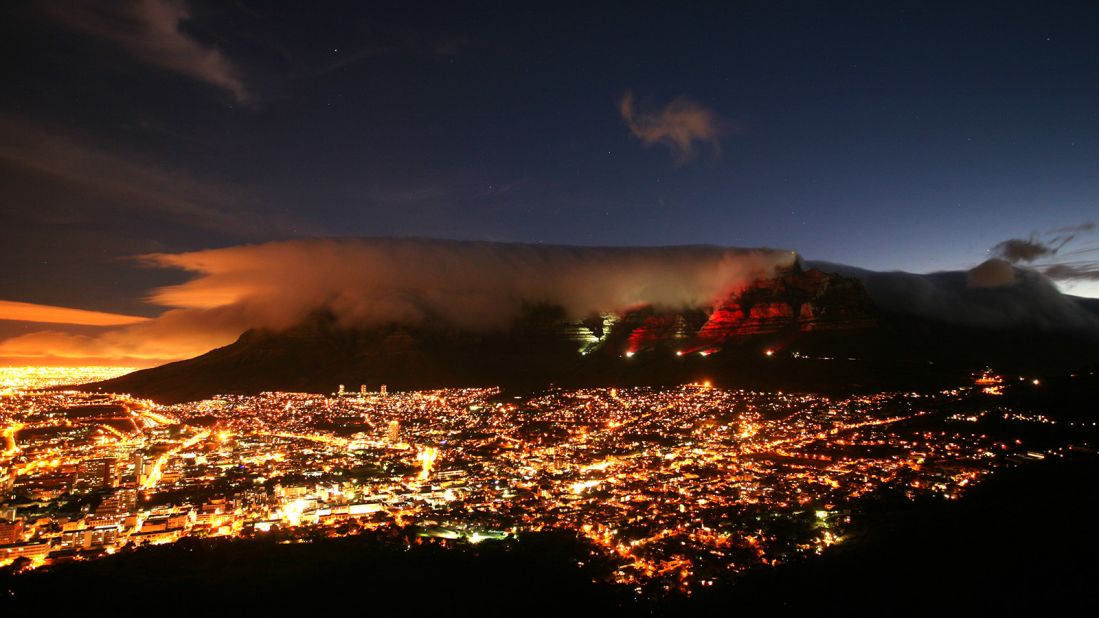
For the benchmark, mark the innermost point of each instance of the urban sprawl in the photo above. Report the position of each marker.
(677, 487)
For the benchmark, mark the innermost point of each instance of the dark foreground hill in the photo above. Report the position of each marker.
(803, 330)
(1022, 544)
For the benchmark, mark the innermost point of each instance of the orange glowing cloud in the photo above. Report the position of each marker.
(48, 314)
(474, 286)
(173, 335)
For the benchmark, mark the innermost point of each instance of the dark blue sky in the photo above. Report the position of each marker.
(897, 135)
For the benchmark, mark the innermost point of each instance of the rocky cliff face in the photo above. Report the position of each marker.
(795, 301)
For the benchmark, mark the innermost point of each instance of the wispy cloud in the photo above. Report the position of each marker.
(150, 31)
(681, 125)
(127, 183)
(1017, 250)
(1058, 254)
(49, 314)
(1087, 270)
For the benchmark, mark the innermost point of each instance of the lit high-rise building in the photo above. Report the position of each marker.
(342, 391)
(139, 467)
(95, 474)
(362, 390)
(11, 532)
(122, 502)
(382, 391)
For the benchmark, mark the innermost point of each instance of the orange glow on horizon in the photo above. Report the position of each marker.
(49, 314)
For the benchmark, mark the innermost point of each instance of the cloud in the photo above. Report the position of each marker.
(1086, 226)
(150, 30)
(1015, 289)
(484, 287)
(1088, 271)
(681, 126)
(991, 274)
(30, 312)
(170, 336)
(994, 295)
(1019, 250)
(476, 286)
(98, 177)
(469, 285)
(1056, 253)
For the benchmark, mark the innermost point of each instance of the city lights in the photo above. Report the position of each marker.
(736, 479)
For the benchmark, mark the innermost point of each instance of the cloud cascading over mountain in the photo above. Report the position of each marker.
(483, 287)
(993, 295)
(476, 286)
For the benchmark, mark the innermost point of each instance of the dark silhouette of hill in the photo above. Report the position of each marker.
(372, 574)
(1024, 543)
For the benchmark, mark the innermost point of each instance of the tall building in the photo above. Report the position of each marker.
(394, 432)
(95, 474)
(139, 467)
(122, 502)
(382, 391)
(362, 390)
(342, 391)
(11, 532)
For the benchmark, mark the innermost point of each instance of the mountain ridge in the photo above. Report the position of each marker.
(803, 329)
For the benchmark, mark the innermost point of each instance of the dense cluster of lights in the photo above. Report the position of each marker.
(679, 487)
(15, 379)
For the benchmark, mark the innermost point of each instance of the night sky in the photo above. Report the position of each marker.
(897, 135)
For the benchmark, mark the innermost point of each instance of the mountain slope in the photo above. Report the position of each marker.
(803, 329)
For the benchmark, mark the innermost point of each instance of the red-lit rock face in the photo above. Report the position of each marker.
(794, 302)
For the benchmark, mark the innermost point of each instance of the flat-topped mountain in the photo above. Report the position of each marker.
(801, 329)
